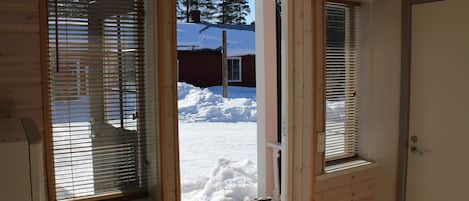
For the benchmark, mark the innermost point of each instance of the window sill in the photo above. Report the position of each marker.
(346, 168)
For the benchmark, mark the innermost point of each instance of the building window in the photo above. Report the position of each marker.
(234, 69)
(342, 61)
(96, 91)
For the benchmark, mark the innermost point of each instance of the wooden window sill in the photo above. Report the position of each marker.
(346, 168)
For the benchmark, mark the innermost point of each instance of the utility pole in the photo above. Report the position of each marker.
(224, 66)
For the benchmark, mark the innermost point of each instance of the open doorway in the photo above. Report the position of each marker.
(217, 99)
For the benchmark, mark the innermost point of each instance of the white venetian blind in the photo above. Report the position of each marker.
(96, 79)
(342, 60)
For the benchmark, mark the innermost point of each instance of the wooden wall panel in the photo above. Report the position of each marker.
(352, 185)
(304, 56)
(20, 70)
(20, 74)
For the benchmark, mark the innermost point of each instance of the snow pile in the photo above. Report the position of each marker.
(229, 181)
(202, 105)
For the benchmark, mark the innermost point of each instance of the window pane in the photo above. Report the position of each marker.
(234, 70)
(95, 78)
(341, 78)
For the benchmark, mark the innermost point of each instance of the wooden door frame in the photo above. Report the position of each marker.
(302, 110)
(166, 104)
(401, 188)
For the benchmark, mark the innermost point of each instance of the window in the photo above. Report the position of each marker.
(234, 69)
(96, 93)
(342, 60)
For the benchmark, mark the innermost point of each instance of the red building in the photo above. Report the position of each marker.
(200, 57)
(203, 68)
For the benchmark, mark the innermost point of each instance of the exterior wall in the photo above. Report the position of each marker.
(200, 68)
(203, 68)
(20, 75)
(248, 72)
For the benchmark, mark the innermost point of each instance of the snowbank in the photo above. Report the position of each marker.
(202, 105)
(229, 181)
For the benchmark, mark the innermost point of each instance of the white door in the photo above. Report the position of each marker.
(438, 168)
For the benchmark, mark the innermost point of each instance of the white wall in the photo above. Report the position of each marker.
(380, 92)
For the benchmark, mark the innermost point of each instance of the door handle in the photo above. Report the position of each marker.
(415, 150)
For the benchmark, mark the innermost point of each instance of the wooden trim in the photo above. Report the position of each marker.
(300, 64)
(413, 2)
(119, 196)
(404, 103)
(346, 2)
(166, 56)
(404, 116)
(48, 146)
(321, 76)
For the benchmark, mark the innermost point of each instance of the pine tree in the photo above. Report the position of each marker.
(225, 12)
(242, 11)
(182, 13)
(208, 10)
(233, 11)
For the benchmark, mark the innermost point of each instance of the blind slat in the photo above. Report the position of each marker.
(342, 60)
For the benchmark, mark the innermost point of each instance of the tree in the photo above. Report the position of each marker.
(233, 11)
(242, 11)
(209, 10)
(182, 9)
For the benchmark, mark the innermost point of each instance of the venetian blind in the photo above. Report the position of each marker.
(96, 79)
(342, 60)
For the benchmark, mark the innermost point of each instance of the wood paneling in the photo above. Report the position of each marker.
(304, 56)
(20, 73)
(353, 185)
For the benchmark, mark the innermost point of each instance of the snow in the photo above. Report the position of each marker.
(217, 143)
(240, 40)
(207, 105)
(218, 161)
(218, 150)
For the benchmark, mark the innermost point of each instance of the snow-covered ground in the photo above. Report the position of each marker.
(217, 142)
(218, 161)
(218, 145)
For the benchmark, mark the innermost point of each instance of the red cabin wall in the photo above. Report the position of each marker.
(202, 68)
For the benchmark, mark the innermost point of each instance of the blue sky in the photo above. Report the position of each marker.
(252, 16)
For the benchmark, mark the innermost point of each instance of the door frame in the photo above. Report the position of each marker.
(299, 163)
(404, 116)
